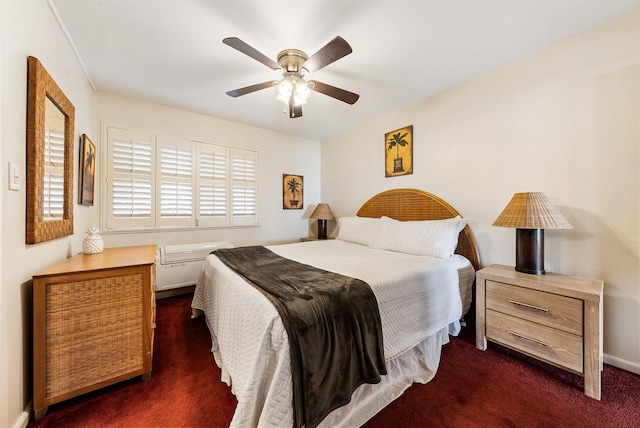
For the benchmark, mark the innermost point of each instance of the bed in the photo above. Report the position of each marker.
(418, 309)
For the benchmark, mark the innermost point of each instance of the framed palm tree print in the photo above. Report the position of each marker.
(398, 158)
(292, 192)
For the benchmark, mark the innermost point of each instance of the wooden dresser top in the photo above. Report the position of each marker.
(107, 259)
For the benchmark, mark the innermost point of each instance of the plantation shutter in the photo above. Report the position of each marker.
(130, 179)
(53, 194)
(212, 185)
(155, 181)
(244, 187)
(175, 175)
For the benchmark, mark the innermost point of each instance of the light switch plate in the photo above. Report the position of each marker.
(14, 176)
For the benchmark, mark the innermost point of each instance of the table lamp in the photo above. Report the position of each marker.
(322, 213)
(530, 213)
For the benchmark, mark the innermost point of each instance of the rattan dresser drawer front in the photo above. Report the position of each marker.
(93, 331)
(93, 321)
(563, 313)
(546, 343)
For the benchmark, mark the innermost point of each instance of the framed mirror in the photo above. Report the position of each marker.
(49, 183)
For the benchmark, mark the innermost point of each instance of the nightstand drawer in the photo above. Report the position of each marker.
(546, 343)
(551, 310)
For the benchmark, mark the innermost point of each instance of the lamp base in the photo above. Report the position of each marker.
(530, 251)
(322, 229)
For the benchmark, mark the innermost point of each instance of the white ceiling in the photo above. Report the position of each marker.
(171, 51)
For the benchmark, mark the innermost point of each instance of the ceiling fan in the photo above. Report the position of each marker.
(294, 64)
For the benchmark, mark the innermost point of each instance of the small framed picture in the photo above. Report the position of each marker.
(87, 170)
(398, 159)
(292, 192)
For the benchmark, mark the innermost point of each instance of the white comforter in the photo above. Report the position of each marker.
(418, 297)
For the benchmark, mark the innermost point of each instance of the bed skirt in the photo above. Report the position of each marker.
(417, 365)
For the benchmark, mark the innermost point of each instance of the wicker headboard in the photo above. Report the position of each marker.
(412, 204)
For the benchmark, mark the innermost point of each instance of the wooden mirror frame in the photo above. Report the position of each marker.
(41, 86)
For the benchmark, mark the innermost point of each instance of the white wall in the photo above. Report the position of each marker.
(565, 122)
(29, 27)
(278, 153)
(4, 321)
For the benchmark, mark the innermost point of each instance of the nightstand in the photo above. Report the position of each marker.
(313, 238)
(554, 318)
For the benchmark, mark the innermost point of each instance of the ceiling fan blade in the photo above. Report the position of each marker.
(337, 93)
(294, 110)
(248, 89)
(331, 52)
(241, 46)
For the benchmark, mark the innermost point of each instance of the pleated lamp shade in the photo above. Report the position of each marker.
(322, 213)
(530, 213)
(531, 210)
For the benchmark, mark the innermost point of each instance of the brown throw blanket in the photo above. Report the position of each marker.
(333, 324)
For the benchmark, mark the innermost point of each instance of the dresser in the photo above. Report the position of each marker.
(93, 321)
(554, 318)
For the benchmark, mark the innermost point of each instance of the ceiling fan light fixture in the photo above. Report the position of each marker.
(293, 84)
(303, 90)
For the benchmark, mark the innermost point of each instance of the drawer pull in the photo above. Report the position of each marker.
(539, 342)
(526, 305)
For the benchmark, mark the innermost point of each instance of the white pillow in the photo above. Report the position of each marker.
(361, 230)
(436, 238)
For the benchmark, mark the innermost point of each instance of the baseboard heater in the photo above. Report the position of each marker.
(179, 265)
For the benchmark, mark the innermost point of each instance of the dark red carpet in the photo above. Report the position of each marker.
(496, 388)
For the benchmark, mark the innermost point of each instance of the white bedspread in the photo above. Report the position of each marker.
(418, 297)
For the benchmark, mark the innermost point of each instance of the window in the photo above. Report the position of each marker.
(213, 182)
(154, 181)
(243, 186)
(176, 181)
